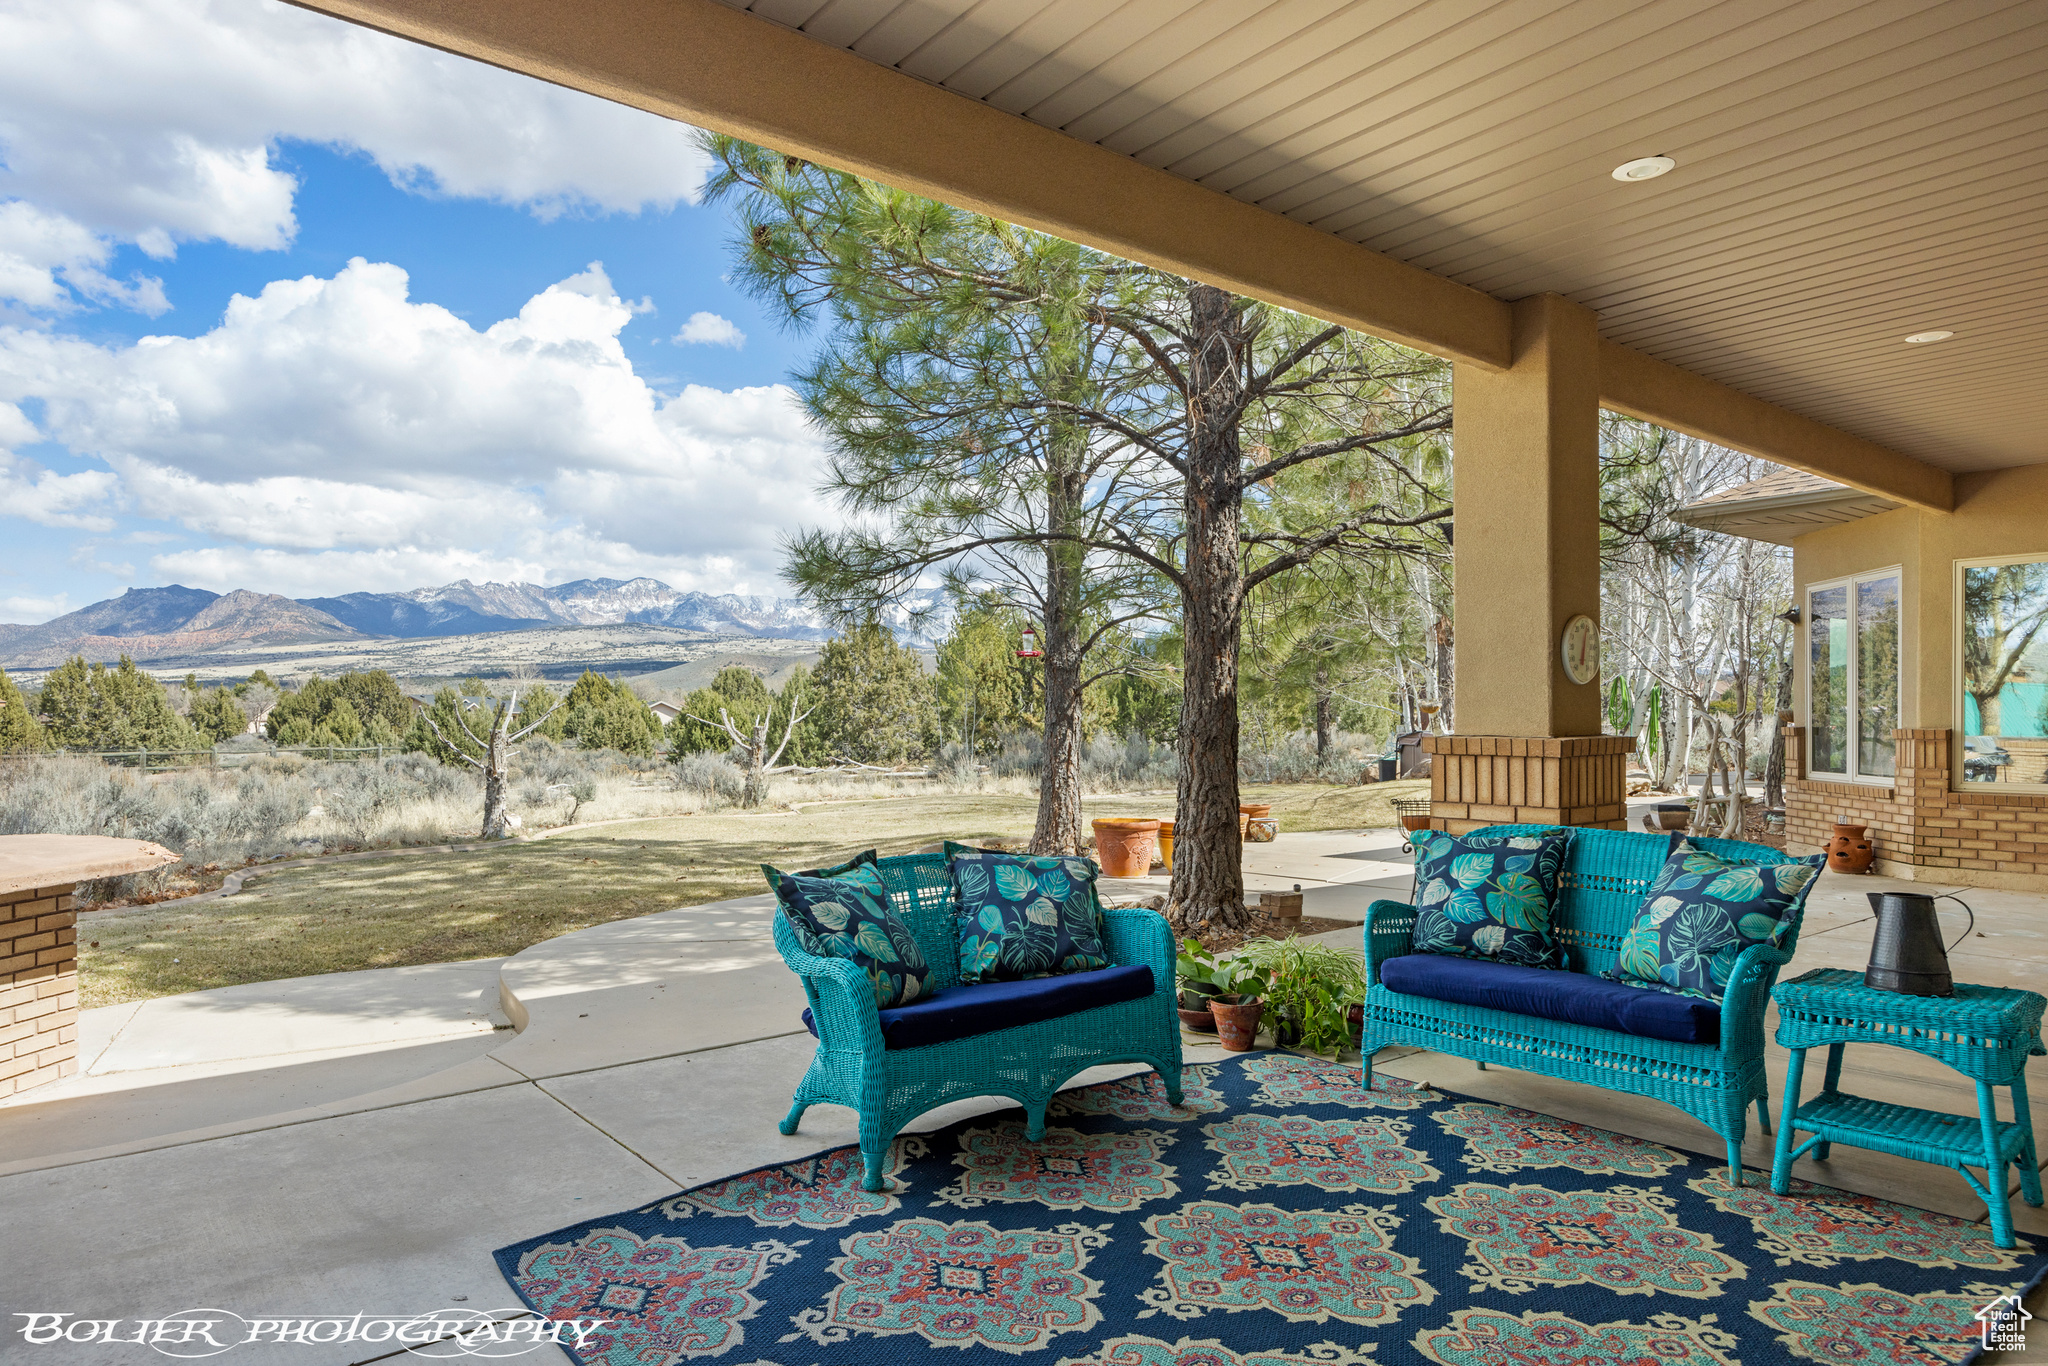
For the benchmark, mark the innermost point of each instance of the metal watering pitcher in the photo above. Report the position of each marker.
(1906, 954)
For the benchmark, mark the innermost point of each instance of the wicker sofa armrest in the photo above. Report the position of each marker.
(1743, 1000)
(1389, 929)
(842, 999)
(1135, 935)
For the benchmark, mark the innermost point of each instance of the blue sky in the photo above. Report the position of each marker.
(425, 377)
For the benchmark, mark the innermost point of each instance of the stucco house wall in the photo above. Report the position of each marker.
(1924, 826)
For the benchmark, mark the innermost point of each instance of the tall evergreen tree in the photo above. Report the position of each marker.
(601, 713)
(92, 707)
(872, 699)
(946, 335)
(20, 732)
(218, 716)
(970, 354)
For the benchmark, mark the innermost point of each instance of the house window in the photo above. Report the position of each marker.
(2002, 671)
(1853, 677)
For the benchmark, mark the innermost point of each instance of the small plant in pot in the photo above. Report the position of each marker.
(1310, 991)
(1227, 991)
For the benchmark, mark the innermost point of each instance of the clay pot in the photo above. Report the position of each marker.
(1201, 1021)
(1850, 851)
(1124, 846)
(1237, 1025)
(1258, 811)
(1166, 844)
(1260, 829)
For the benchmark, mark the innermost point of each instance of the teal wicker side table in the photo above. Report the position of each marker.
(1985, 1033)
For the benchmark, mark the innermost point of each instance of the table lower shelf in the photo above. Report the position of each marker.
(1903, 1130)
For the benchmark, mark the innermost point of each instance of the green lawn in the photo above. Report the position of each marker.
(437, 908)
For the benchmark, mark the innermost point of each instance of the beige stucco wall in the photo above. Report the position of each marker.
(2003, 512)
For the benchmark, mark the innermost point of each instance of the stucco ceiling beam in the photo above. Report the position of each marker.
(1641, 386)
(716, 67)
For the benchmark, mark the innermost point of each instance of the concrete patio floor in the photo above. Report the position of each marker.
(361, 1142)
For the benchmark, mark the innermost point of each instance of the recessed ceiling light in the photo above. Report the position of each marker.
(1922, 338)
(1643, 168)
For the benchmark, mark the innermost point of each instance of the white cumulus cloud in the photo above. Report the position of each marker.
(711, 329)
(159, 121)
(333, 434)
(49, 263)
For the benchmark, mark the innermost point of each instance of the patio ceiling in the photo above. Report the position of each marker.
(1848, 173)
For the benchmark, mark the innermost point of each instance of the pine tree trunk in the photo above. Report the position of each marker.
(1059, 829)
(1208, 854)
(1323, 709)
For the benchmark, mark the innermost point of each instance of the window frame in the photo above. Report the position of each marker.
(1958, 751)
(1853, 741)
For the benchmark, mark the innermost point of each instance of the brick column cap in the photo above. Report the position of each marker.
(30, 862)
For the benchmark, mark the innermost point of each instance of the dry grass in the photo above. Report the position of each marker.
(431, 908)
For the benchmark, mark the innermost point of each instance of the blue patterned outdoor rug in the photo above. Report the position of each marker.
(1279, 1217)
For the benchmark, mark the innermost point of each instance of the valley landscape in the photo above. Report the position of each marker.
(661, 639)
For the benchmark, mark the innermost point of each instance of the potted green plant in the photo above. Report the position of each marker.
(1223, 994)
(1310, 989)
(1195, 973)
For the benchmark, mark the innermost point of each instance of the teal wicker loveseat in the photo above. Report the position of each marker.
(1603, 881)
(890, 1086)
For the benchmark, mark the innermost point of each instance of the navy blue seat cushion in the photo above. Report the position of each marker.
(1551, 994)
(959, 1012)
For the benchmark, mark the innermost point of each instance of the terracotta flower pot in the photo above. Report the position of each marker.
(1166, 844)
(1238, 1025)
(1850, 851)
(1256, 810)
(1123, 846)
(1201, 1021)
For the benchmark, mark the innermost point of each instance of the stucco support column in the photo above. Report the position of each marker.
(1528, 746)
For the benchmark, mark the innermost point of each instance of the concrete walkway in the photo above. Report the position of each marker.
(361, 1142)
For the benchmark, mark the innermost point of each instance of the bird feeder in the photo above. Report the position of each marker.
(1028, 647)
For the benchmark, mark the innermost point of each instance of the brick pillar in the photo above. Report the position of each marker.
(38, 987)
(1480, 780)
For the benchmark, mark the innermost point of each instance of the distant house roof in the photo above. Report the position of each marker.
(1780, 506)
(667, 711)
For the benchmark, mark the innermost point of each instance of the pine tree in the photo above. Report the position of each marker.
(20, 732)
(602, 714)
(873, 699)
(367, 694)
(218, 716)
(93, 707)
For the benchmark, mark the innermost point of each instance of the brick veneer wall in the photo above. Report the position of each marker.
(1921, 828)
(1480, 780)
(38, 988)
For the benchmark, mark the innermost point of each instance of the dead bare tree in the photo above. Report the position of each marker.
(760, 763)
(497, 753)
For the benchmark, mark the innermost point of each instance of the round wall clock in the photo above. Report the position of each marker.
(1581, 650)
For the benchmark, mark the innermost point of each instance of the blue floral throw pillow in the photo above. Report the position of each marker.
(1025, 916)
(848, 917)
(1488, 896)
(1702, 912)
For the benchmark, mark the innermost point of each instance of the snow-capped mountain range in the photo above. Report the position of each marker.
(176, 621)
(462, 607)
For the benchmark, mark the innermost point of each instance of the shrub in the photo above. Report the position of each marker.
(713, 776)
(345, 705)
(93, 707)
